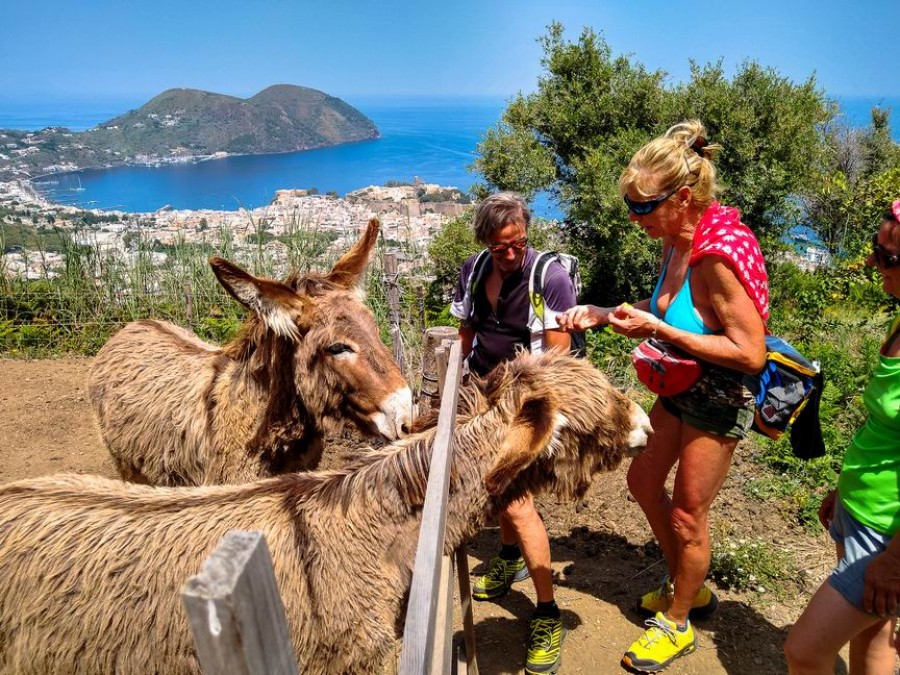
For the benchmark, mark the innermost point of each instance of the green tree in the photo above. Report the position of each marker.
(592, 110)
(879, 152)
(861, 178)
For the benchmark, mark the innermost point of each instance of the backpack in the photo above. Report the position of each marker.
(790, 387)
(538, 313)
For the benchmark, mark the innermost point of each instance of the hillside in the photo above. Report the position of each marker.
(281, 118)
(184, 123)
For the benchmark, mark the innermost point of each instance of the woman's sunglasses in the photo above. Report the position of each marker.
(517, 244)
(643, 208)
(883, 258)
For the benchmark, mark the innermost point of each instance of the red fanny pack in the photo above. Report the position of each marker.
(663, 368)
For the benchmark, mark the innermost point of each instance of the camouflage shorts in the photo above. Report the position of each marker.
(721, 402)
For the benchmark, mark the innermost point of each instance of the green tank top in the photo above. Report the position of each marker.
(869, 484)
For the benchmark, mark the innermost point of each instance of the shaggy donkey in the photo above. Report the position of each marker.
(175, 410)
(91, 568)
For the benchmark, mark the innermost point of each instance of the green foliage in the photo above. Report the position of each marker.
(753, 566)
(861, 177)
(592, 110)
(20, 236)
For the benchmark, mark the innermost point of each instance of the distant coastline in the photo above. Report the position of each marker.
(430, 138)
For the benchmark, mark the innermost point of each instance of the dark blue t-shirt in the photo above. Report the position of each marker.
(499, 334)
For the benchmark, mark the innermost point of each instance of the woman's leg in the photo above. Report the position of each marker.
(647, 476)
(702, 468)
(872, 650)
(827, 624)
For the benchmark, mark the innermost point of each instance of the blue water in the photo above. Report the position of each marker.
(434, 140)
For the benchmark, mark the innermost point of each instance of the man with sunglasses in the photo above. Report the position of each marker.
(493, 307)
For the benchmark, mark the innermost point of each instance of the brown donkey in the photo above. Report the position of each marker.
(91, 568)
(174, 410)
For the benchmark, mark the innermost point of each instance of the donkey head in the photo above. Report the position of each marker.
(568, 423)
(316, 346)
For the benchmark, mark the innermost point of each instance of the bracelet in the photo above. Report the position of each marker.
(656, 327)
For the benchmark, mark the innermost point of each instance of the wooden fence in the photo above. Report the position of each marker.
(237, 616)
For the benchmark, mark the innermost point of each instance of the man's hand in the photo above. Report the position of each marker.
(582, 317)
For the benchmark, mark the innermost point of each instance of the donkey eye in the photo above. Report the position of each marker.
(339, 348)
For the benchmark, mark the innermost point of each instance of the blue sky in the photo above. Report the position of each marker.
(133, 50)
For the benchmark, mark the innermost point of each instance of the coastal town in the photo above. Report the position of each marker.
(408, 213)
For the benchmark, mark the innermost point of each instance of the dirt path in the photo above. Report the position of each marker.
(603, 553)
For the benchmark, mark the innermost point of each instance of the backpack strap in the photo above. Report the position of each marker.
(478, 267)
(537, 311)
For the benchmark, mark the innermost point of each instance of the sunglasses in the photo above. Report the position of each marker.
(516, 244)
(883, 258)
(649, 206)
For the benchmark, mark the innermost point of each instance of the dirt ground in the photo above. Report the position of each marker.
(603, 554)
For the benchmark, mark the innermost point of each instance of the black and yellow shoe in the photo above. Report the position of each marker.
(545, 638)
(500, 576)
(659, 599)
(661, 643)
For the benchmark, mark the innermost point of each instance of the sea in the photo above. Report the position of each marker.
(431, 139)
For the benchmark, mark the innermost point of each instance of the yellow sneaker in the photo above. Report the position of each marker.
(500, 576)
(545, 638)
(659, 599)
(660, 644)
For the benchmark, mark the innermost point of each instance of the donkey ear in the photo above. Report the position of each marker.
(348, 270)
(274, 302)
(530, 433)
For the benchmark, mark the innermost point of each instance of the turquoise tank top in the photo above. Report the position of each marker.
(681, 312)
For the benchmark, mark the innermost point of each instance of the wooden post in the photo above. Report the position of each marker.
(465, 602)
(236, 613)
(393, 298)
(189, 303)
(434, 337)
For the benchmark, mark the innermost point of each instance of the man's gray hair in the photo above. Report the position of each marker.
(497, 211)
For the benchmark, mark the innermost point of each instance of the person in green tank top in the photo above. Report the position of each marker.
(859, 601)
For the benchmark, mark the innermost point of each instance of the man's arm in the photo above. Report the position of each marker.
(557, 338)
(466, 338)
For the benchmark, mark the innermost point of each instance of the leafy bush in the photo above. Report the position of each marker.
(752, 566)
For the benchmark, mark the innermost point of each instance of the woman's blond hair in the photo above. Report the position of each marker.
(681, 156)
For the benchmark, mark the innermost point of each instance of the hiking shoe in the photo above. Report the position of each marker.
(660, 644)
(659, 599)
(545, 638)
(500, 576)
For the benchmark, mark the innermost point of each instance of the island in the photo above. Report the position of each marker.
(188, 125)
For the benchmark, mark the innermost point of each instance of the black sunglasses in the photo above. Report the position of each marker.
(643, 208)
(517, 244)
(883, 258)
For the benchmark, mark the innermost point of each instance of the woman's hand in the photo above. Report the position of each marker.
(582, 317)
(826, 509)
(633, 322)
(881, 593)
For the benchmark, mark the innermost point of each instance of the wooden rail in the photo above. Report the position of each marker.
(237, 616)
(426, 632)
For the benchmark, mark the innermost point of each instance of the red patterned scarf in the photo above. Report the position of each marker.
(720, 232)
